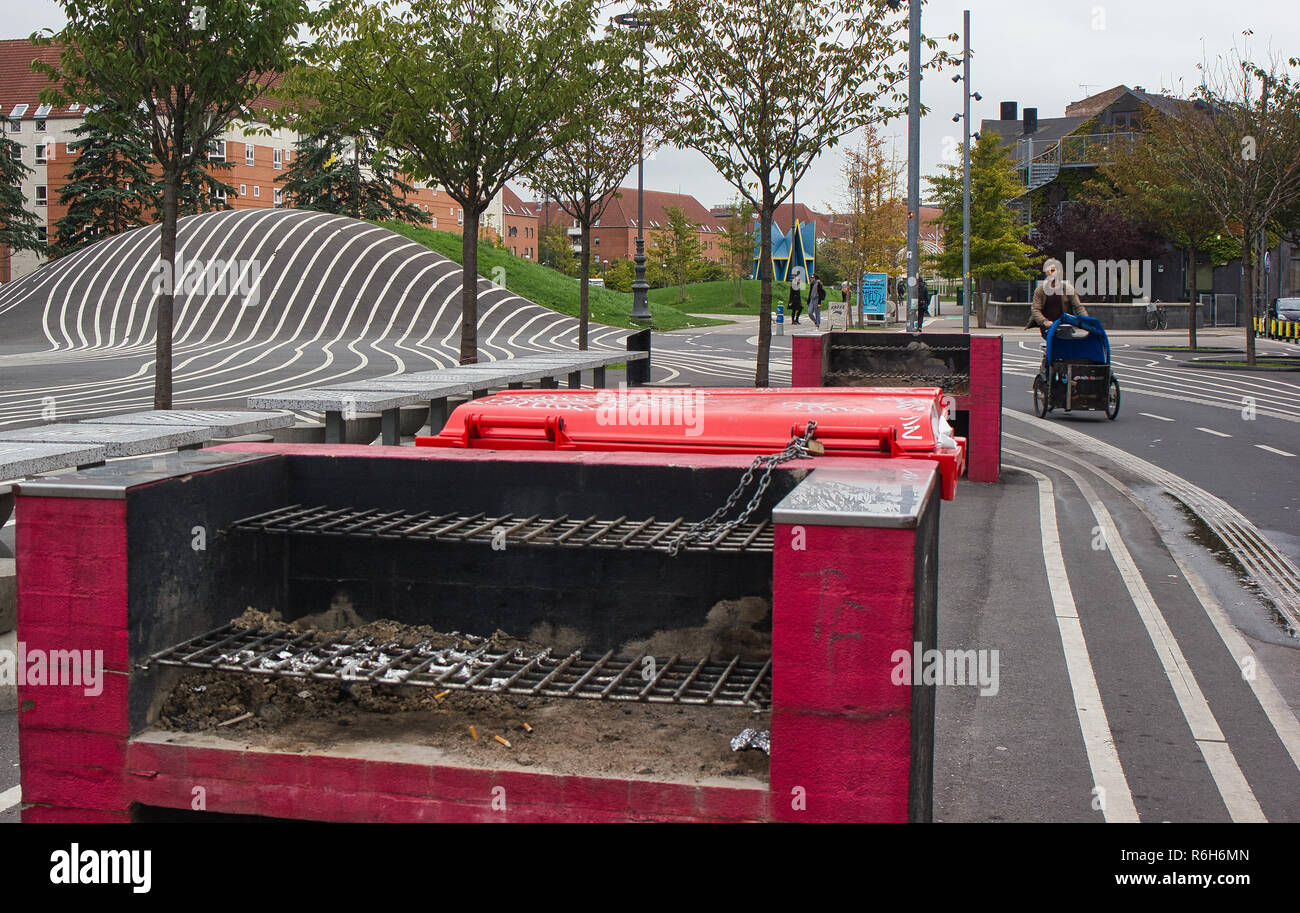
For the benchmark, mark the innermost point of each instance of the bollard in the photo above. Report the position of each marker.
(638, 372)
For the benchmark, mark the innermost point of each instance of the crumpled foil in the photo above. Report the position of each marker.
(759, 739)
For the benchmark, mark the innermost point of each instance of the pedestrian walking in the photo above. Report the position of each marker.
(922, 301)
(844, 291)
(816, 295)
(796, 298)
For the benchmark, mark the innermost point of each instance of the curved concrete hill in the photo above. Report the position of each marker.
(335, 299)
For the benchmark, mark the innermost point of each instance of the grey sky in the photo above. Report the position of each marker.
(1042, 55)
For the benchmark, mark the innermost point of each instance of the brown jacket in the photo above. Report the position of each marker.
(1067, 300)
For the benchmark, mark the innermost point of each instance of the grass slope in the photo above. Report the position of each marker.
(552, 289)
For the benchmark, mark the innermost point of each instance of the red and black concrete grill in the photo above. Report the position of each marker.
(843, 546)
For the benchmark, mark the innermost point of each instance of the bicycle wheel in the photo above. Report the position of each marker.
(1153, 320)
(1112, 399)
(1042, 397)
(1164, 318)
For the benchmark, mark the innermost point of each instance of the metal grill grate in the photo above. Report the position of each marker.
(476, 664)
(572, 532)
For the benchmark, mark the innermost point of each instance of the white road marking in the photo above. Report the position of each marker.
(1159, 417)
(1219, 759)
(1098, 741)
(10, 797)
(1274, 450)
(1213, 432)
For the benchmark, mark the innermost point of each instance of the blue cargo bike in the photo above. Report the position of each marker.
(1075, 374)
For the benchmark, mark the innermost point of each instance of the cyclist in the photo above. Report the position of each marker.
(1053, 297)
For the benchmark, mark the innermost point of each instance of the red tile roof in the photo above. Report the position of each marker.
(514, 206)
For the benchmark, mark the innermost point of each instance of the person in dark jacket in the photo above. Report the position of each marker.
(1053, 297)
(816, 295)
(796, 299)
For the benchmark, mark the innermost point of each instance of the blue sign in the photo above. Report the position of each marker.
(875, 292)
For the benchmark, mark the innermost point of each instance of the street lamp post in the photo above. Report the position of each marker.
(965, 175)
(913, 159)
(640, 288)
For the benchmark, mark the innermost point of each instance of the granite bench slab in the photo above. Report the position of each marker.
(26, 459)
(223, 423)
(117, 440)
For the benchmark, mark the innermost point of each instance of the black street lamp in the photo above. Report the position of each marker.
(640, 288)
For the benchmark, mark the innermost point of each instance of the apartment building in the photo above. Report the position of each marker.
(257, 154)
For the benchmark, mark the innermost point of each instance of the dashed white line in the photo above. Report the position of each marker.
(1153, 415)
(1274, 450)
(1213, 432)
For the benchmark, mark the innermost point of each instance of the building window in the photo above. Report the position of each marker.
(40, 153)
(279, 196)
(460, 217)
(433, 220)
(514, 231)
(243, 190)
(40, 126)
(249, 154)
(219, 194)
(43, 111)
(277, 160)
(42, 233)
(15, 126)
(596, 241)
(257, 191)
(42, 195)
(218, 153)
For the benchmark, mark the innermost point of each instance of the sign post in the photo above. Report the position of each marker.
(875, 292)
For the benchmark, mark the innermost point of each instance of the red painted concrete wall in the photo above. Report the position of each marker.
(841, 730)
(72, 596)
(806, 368)
(984, 458)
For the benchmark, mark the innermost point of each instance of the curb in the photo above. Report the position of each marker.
(9, 692)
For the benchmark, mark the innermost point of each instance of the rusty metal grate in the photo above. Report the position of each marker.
(922, 349)
(476, 664)
(535, 530)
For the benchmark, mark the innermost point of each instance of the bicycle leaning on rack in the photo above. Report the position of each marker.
(1157, 319)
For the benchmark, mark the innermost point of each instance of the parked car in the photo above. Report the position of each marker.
(1285, 309)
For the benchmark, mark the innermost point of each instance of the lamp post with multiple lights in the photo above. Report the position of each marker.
(640, 288)
(964, 117)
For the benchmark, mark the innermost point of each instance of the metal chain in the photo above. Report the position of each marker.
(797, 448)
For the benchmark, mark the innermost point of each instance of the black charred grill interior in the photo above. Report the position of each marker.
(897, 360)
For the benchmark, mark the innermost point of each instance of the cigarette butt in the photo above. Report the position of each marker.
(473, 733)
(502, 741)
(440, 695)
(527, 728)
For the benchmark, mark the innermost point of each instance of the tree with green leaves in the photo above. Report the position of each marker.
(555, 248)
(1239, 148)
(349, 175)
(998, 249)
(582, 176)
(178, 72)
(469, 93)
(738, 244)
(202, 190)
(677, 248)
(19, 226)
(1141, 180)
(109, 188)
(766, 86)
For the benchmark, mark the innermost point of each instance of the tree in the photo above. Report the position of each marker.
(1096, 231)
(469, 93)
(178, 73)
(738, 244)
(876, 209)
(1239, 147)
(202, 190)
(766, 86)
(109, 188)
(619, 275)
(555, 249)
(583, 175)
(19, 227)
(997, 246)
(677, 247)
(1140, 179)
(350, 175)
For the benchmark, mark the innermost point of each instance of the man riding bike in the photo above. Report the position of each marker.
(1053, 297)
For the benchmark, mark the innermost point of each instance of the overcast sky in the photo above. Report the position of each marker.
(1041, 55)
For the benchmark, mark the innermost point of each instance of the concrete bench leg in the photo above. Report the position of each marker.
(81, 466)
(199, 446)
(437, 414)
(575, 380)
(479, 394)
(598, 377)
(334, 427)
(391, 427)
(515, 385)
(549, 383)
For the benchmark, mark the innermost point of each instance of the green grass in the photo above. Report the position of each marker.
(550, 288)
(717, 297)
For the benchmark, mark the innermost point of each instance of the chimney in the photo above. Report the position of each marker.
(1008, 111)
(1031, 121)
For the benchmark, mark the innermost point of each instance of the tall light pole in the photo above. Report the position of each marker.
(640, 288)
(913, 158)
(965, 174)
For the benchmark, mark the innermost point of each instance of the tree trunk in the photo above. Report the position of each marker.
(1248, 291)
(584, 272)
(764, 293)
(1196, 306)
(469, 288)
(162, 365)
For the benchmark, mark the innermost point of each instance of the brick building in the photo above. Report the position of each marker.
(44, 132)
(519, 221)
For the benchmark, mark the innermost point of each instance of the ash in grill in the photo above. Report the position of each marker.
(912, 360)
